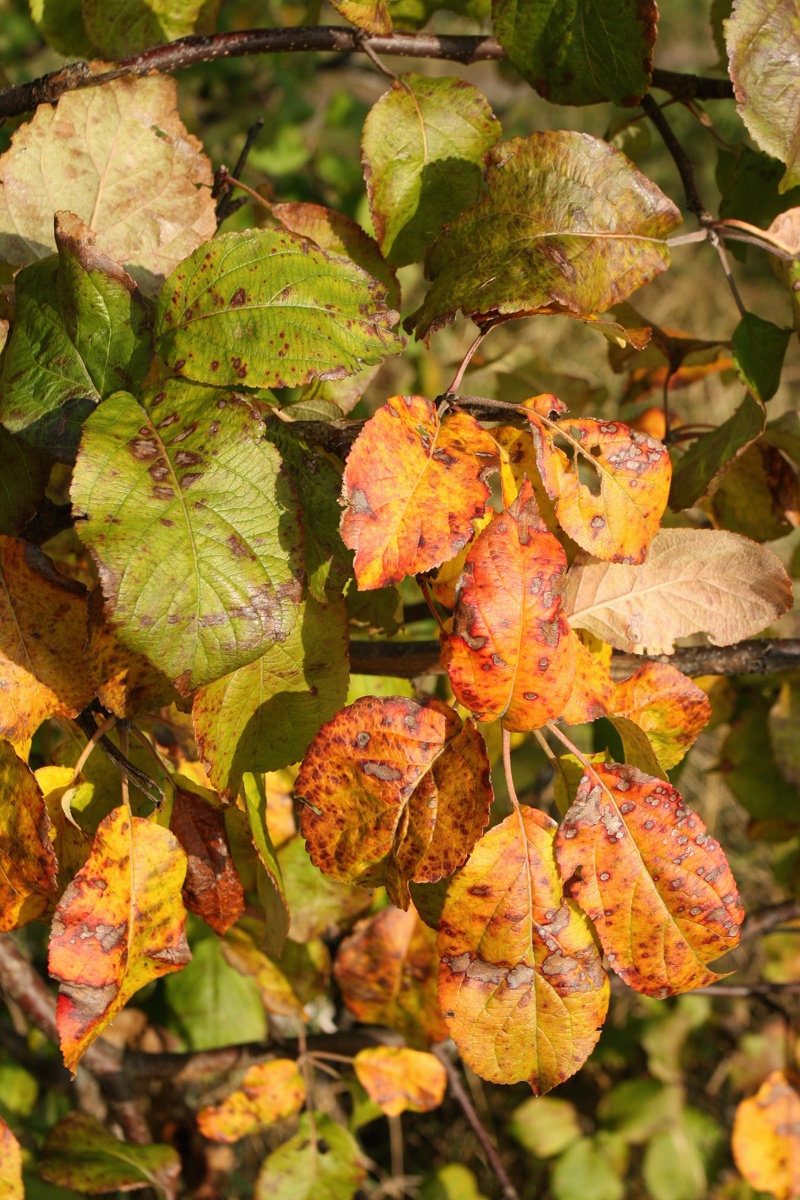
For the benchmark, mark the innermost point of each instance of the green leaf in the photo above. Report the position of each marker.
(711, 453)
(270, 309)
(748, 181)
(298, 1170)
(749, 768)
(320, 906)
(583, 1170)
(757, 495)
(60, 22)
(568, 226)
(579, 51)
(194, 526)
(80, 1153)
(213, 1005)
(758, 351)
(23, 480)
(784, 434)
(380, 610)
(372, 15)
(637, 748)
(269, 878)
(263, 716)
(422, 149)
(453, 1181)
(638, 1108)
(763, 40)
(673, 1168)
(129, 26)
(545, 1126)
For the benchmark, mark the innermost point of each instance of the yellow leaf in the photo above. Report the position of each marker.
(28, 865)
(270, 1092)
(766, 1137)
(397, 1079)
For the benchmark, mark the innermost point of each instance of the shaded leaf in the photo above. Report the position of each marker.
(299, 1170)
(591, 224)
(387, 972)
(212, 888)
(263, 716)
(60, 22)
(578, 53)
(758, 351)
(266, 308)
(592, 694)
(80, 1153)
(749, 767)
(119, 157)
(694, 580)
(270, 880)
(118, 925)
(127, 683)
(667, 705)
(584, 1169)
(10, 1164)
(784, 721)
(42, 621)
(712, 452)
(759, 495)
(763, 40)
(134, 25)
(213, 1003)
(766, 1137)
(194, 526)
(70, 844)
(672, 1167)
(394, 790)
(545, 1126)
(453, 1181)
(378, 611)
(659, 890)
(521, 983)
(22, 482)
(416, 511)
(372, 15)
(422, 149)
(401, 1080)
(510, 655)
(319, 906)
(270, 1092)
(637, 750)
(28, 865)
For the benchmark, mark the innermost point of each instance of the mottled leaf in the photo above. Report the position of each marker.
(659, 889)
(319, 906)
(131, 26)
(10, 1165)
(127, 683)
(119, 157)
(521, 984)
(42, 621)
(758, 351)
(633, 470)
(413, 485)
(194, 527)
(422, 150)
(694, 580)
(579, 53)
(22, 482)
(372, 15)
(266, 308)
(766, 1136)
(712, 452)
(28, 866)
(212, 888)
(510, 655)
(387, 974)
(667, 705)
(591, 225)
(118, 925)
(79, 1153)
(394, 790)
(263, 716)
(331, 1169)
(400, 1080)
(763, 40)
(270, 1092)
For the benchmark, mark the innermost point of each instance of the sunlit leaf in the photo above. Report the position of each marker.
(28, 865)
(127, 683)
(658, 888)
(592, 694)
(766, 1137)
(545, 1126)
(510, 655)
(131, 26)
(270, 1092)
(394, 790)
(413, 485)
(195, 528)
(319, 906)
(664, 703)
(372, 15)
(591, 226)
(80, 1153)
(212, 888)
(118, 925)
(10, 1164)
(401, 1080)
(521, 984)
(270, 887)
(299, 977)
(331, 1169)
(422, 150)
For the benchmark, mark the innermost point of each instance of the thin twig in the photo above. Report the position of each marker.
(722, 255)
(512, 792)
(85, 722)
(225, 204)
(459, 375)
(680, 158)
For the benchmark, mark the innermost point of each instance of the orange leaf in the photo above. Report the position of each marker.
(521, 982)
(667, 705)
(386, 971)
(510, 655)
(642, 866)
(397, 1079)
(634, 470)
(270, 1092)
(212, 888)
(28, 865)
(413, 486)
(766, 1137)
(394, 790)
(593, 691)
(119, 924)
(11, 1186)
(42, 620)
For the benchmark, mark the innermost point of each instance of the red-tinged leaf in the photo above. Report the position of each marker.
(119, 924)
(667, 706)
(270, 1092)
(400, 1080)
(521, 982)
(659, 889)
(212, 888)
(28, 865)
(634, 471)
(593, 691)
(510, 655)
(371, 15)
(387, 971)
(393, 790)
(10, 1165)
(79, 1153)
(42, 622)
(517, 463)
(766, 1136)
(413, 486)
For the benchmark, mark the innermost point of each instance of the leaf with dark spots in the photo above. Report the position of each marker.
(174, 591)
(413, 809)
(212, 888)
(28, 865)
